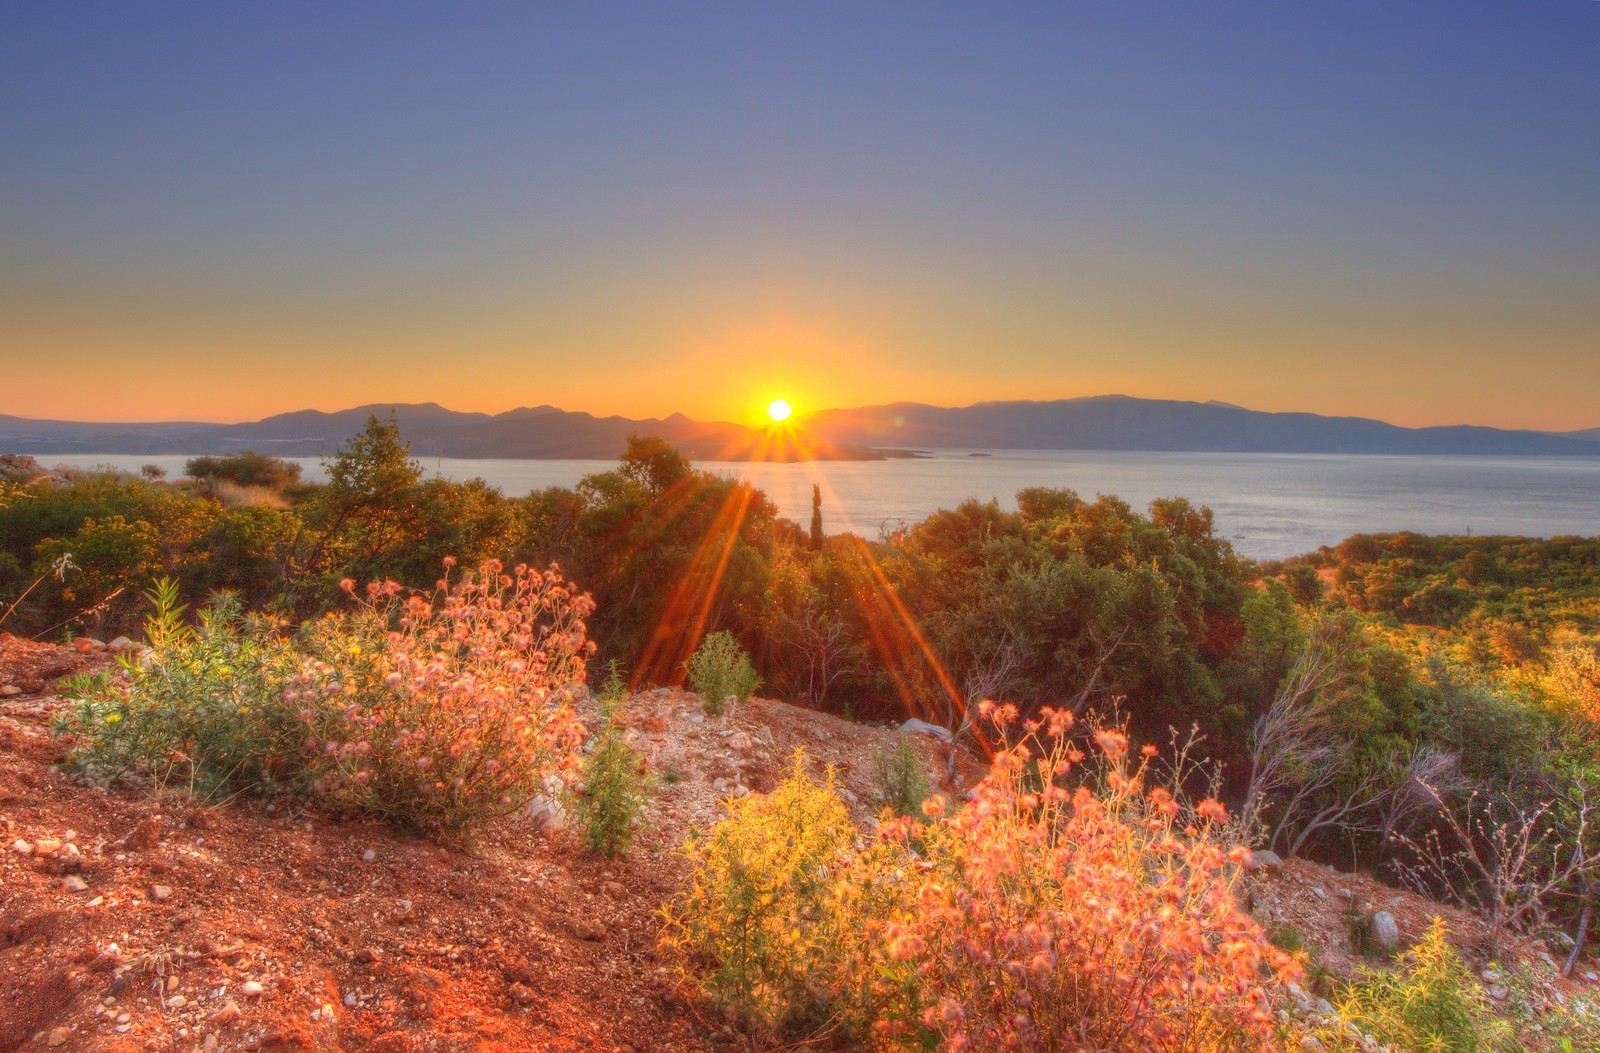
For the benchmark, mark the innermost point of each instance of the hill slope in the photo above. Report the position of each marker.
(1118, 422)
(134, 923)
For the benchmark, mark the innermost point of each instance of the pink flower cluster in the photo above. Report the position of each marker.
(444, 709)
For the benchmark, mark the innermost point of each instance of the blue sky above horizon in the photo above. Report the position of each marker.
(225, 211)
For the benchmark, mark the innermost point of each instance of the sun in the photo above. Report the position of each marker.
(779, 410)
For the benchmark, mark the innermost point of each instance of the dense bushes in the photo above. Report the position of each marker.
(437, 710)
(1047, 913)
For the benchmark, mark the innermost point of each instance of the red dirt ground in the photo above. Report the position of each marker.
(360, 937)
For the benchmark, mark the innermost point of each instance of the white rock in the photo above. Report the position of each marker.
(159, 893)
(1265, 859)
(75, 883)
(21, 847)
(369, 855)
(1383, 929)
(252, 989)
(922, 727)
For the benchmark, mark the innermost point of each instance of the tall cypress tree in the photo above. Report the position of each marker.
(816, 516)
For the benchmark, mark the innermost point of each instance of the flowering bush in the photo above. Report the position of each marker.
(444, 710)
(438, 710)
(1065, 907)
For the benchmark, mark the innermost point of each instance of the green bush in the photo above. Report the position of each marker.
(750, 928)
(1431, 1002)
(609, 800)
(903, 778)
(720, 668)
(201, 712)
(438, 711)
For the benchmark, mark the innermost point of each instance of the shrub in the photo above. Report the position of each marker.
(198, 712)
(903, 778)
(1431, 1002)
(1046, 914)
(445, 710)
(749, 928)
(720, 668)
(435, 710)
(609, 800)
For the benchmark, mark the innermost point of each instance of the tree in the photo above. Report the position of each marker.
(248, 468)
(363, 514)
(816, 517)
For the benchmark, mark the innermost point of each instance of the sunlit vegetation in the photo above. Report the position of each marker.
(720, 670)
(1430, 1002)
(609, 796)
(438, 710)
(1053, 911)
(1427, 709)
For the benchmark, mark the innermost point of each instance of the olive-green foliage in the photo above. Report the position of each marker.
(202, 712)
(1066, 602)
(376, 519)
(437, 711)
(1429, 1004)
(720, 669)
(664, 549)
(903, 777)
(610, 798)
(248, 468)
(1474, 584)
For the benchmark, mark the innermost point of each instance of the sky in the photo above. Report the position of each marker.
(224, 211)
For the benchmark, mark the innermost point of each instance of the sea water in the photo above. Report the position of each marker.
(1268, 505)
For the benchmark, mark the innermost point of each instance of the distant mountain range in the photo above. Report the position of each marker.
(1105, 422)
(1119, 422)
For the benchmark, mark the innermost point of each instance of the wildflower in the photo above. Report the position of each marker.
(1113, 744)
(1212, 810)
(114, 718)
(933, 806)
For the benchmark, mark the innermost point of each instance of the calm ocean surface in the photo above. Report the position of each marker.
(1269, 505)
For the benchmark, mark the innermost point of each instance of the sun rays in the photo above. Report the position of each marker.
(919, 678)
